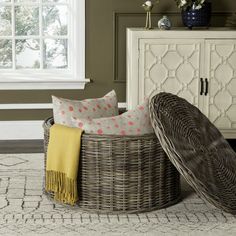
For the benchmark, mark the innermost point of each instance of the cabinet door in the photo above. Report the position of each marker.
(221, 72)
(171, 65)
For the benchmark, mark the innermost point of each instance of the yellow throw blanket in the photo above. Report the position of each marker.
(63, 162)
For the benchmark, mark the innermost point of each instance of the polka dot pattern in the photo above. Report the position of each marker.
(65, 109)
(133, 122)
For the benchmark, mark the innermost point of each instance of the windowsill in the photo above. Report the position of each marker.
(43, 85)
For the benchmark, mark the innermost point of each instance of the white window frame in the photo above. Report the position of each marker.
(74, 78)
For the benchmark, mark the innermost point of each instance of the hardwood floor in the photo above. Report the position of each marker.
(21, 146)
(36, 146)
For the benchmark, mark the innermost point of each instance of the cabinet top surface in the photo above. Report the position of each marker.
(199, 33)
(184, 29)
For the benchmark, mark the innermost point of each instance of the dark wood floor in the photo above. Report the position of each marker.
(21, 146)
(36, 146)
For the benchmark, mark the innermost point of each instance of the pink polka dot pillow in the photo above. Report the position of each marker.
(64, 109)
(133, 122)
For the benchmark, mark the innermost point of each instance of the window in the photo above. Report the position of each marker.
(42, 44)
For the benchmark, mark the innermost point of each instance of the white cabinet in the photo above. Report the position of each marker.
(220, 67)
(197, 65)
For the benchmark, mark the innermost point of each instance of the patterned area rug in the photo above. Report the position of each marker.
(26, 211)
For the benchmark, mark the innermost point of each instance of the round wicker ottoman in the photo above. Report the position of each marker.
(123, 174)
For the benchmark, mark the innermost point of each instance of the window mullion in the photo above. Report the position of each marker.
(36, 37)
(70, 36)
(41, 33)
(13, 36)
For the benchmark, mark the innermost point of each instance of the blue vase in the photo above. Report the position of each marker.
(195, 18)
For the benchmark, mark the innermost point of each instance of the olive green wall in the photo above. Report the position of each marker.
(106, 21)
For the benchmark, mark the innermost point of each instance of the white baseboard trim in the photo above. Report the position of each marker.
(21, 130)
(37, 106)
(26, 106)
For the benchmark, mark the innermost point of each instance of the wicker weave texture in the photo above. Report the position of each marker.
(197, 149)
(124, 174)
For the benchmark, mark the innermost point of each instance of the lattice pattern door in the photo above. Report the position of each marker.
(221, 71)
(171, 65)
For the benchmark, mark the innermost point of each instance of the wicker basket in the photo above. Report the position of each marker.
(121, 174)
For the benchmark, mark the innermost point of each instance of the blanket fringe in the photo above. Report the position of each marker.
(63, 188)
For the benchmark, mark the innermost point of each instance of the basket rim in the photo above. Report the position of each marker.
(48, 122)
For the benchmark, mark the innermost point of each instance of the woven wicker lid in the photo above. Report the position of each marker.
(196, 148)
